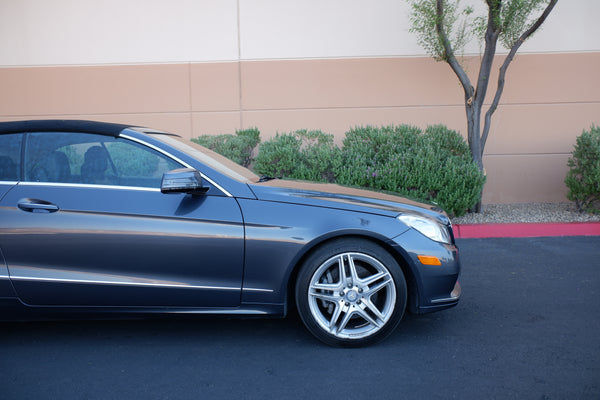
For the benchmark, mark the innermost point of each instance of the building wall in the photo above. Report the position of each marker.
(213, 66)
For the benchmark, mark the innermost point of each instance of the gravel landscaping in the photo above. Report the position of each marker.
(526, 212)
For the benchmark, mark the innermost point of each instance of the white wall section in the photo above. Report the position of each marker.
(289, 29)
(84, 32)
(88, 32)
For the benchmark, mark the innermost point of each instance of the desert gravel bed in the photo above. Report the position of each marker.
(526, 212)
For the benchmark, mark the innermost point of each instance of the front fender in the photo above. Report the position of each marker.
(279, 235)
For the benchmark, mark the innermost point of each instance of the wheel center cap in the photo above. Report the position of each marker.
(352, 295)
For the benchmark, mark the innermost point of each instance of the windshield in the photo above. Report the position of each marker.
(209, 158)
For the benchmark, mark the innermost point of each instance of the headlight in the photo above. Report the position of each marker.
(428, 227)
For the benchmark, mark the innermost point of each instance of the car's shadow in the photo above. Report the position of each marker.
(215, 330)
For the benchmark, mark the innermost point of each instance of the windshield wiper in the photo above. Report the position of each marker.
(266, 178)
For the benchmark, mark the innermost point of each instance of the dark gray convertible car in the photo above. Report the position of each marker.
(103, 220)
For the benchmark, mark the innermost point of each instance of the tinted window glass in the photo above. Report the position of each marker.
(10, 156)
(93, 159)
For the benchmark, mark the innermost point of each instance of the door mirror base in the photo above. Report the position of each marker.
(183, 180)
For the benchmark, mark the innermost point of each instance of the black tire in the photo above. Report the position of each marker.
(345, 308)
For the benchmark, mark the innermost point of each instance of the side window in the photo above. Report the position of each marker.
(138, 165)
(10, 157)
(93, 159)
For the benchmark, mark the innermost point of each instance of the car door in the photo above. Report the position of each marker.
(10, 167)
(88, 226)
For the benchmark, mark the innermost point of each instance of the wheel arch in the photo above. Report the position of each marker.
(399, 257)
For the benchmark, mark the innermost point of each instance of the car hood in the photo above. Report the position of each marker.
(343, 197)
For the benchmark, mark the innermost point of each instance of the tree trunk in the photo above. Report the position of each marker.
(474, 97)
(474, 129)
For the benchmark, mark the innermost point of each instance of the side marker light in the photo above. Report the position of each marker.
(430, 260)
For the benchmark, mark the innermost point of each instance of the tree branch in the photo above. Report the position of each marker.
(449, 53)
(504, 68)
(491, 40)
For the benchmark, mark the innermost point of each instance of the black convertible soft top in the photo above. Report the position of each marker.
(63, 125)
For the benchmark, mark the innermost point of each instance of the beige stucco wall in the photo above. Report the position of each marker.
(214, 66)
(547, 102)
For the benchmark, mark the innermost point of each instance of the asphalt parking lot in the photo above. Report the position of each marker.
(527, 327)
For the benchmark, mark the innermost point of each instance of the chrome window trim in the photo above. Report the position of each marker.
(8, 182)
(142, 142)
(90, 186)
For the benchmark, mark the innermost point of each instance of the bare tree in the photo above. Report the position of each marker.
(443, 28)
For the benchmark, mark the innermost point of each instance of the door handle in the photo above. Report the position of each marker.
(35, 205)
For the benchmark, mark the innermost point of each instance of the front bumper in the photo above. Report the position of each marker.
(431, 287)
(442, 304)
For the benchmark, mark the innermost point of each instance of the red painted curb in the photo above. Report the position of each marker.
(526, 230)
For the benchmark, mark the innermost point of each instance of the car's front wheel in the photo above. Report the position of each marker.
(351, 292)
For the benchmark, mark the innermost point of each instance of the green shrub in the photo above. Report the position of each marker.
(238, 147)
(368, 149)
(307, 155)
(583, 178)
(434, 165)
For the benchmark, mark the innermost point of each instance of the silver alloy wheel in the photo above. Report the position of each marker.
(352, 295)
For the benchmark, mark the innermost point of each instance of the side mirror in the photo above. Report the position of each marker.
(184, 180)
